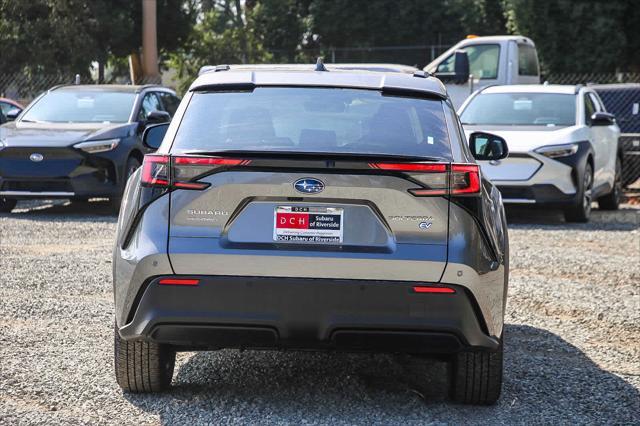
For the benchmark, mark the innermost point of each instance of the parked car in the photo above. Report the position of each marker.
(10, 108)
(563, 143)
(623, 100)
(315, 210)
(79, 142)
(491, 60)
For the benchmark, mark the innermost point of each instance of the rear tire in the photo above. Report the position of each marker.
(7, 204)
(611, 201)
(581, 210)
(142, 366)
(477, 377)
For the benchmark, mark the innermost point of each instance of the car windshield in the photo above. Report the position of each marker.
(312, 120)
(82, 106)
(521, 109)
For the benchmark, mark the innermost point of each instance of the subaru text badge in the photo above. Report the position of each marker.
(308, 185)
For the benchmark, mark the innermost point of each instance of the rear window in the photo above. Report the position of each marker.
(313, 120)
(521, 109)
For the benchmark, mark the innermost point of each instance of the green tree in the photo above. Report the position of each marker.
(281, 25)
(225, 35)
(66, 36)
(577, 37)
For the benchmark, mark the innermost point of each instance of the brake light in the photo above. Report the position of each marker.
(182, 172)
(155, 170)
(410, 167)
(465, 179)
(438, 178)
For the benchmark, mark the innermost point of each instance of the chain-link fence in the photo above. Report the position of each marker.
(620, 93)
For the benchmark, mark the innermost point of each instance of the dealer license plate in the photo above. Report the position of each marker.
(308, 224)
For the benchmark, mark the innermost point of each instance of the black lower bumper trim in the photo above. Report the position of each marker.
(540, 194)
(303, 313)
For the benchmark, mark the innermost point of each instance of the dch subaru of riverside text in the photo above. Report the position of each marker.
(309, 209)
(78, 142)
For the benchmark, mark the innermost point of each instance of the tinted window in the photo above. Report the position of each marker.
(82, 106)
(314, 120)
(527, 60)
(483, 61)
(150, 103)
(521, 109)
(170, 102)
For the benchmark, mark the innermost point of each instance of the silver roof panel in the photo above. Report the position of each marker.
(304, 78)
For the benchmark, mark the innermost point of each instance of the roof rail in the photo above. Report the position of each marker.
(213, 68)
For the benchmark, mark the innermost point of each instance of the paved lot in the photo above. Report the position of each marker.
(572, 339)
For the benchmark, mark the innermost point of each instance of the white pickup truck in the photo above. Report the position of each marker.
(477, 62)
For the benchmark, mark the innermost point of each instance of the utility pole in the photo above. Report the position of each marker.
(149, 41)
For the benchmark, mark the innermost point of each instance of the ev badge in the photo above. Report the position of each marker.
(424, 225)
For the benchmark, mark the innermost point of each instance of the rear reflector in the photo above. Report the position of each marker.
(432, 289)
(179, 281)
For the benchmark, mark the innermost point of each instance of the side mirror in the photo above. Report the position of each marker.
(487, 147)
(460, 74)
(13, 113)
(154, 134)
(461, 67)
(155, 117)
(602, 119)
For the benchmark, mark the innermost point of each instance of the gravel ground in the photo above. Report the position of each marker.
(572, 339)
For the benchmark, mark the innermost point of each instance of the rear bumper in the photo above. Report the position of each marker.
(305, 313)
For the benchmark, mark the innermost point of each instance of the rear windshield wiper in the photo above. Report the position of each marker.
(322, 155)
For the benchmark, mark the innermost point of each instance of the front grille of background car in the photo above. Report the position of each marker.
(37, 186)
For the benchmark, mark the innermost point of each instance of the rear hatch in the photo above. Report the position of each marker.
(308, 182)
(356, 224)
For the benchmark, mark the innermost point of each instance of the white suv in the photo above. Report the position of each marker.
(563, 146)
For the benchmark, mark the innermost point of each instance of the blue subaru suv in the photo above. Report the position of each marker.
(79, 142)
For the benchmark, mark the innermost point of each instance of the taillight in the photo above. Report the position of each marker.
(465, 179)
(438, 178)
(155, 170)
(182, 172)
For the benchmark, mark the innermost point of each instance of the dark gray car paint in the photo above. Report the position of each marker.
(460, 250)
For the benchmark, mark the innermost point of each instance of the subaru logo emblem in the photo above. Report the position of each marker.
(308, 185)
(36, 158)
